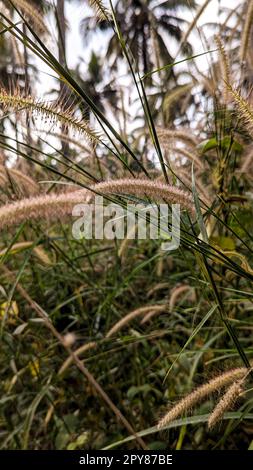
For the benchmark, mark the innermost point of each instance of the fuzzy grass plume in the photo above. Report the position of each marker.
(19, 177)
(185, 135)
(32, 15)
(78, 352)
(152, 189)
(191, 400)
(226, 402)
(177, 293)
(48, 111)
(22, 246)
(243, 108)
(48, 207)
(149, 316)
(56, 206)
(131, 316)
(224, 66)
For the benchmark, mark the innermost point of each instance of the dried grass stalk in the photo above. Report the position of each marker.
(193, 23)
(78, 352)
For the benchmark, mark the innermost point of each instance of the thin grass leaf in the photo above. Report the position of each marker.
(182, 422)
(194, 333)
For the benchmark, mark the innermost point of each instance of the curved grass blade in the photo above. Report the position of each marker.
(168, 66)
(178, 423)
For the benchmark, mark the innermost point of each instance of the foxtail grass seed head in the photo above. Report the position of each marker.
(243, 108)
(23, 180)
(131, 316)
(149, 316)
(196, 397)
(155, 190)
(157, 287)
(55, 206)
(184, 135)
(32, 15)
(48, 207)
(225, 403)
(54, 112)
(189, 155)
(176, 293)
(184, 179)
(224, 67)
(22, 246)
(78, 352)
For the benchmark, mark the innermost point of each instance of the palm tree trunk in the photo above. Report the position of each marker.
(61, 27)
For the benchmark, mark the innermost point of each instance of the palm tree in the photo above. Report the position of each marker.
(146, 26)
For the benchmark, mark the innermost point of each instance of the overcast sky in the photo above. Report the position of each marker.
(76, 11)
